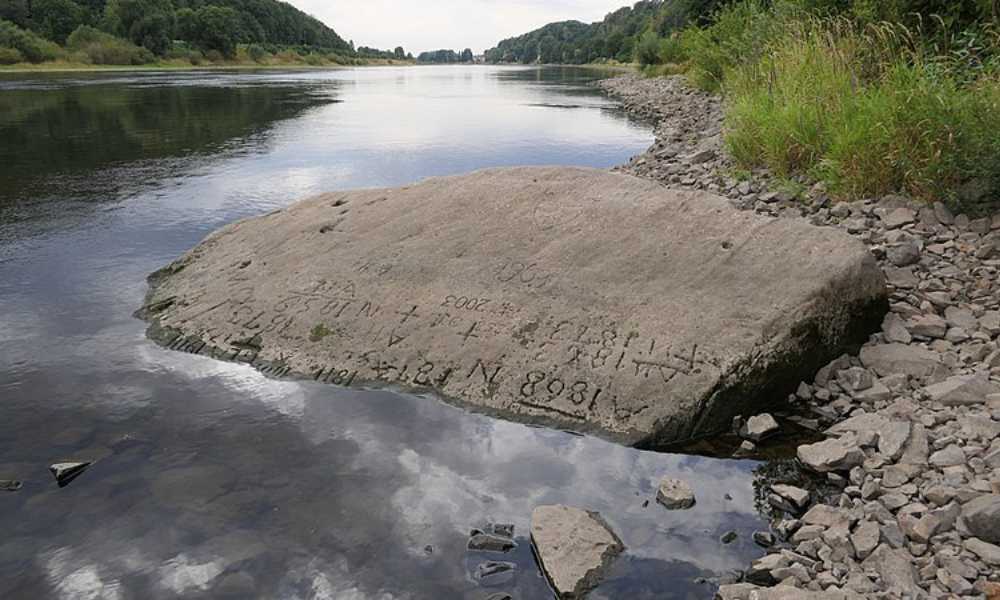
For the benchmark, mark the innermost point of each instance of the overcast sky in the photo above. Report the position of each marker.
(420, 25)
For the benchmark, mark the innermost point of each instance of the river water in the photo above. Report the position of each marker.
(212, 481)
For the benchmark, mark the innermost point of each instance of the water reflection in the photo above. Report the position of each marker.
(213, 482)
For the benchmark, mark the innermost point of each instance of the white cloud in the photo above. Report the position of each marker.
(433, 24)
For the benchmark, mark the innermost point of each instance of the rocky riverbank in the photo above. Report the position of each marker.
(913, 420)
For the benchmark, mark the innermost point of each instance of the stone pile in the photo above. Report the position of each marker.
(912, 422)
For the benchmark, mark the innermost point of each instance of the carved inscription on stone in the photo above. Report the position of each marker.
(573, 296)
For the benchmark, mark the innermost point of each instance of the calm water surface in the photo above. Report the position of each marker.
(214, 482)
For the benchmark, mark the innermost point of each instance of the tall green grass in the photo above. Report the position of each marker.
(869, 110)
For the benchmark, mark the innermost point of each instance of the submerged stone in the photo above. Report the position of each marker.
(570, 296)
(488, 542)
(68, 471)
(575, 548)
(9, 485)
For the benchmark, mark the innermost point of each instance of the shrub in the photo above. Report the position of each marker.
(257, 53)
(315, 59)
(32, 47)
(10, 56)
(214, 56)
(647, 50)
(105, 49)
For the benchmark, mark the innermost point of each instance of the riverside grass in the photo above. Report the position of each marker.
(868, 109)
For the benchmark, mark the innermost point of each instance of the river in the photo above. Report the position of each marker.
(212, 481)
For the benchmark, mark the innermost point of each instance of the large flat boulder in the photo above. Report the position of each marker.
(576, 297)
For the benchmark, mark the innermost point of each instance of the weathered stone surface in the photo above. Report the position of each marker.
(759, 427)
(890, 359)
(989, 553)
(895, 566)
(962, 390)
(830, 455)
(575, 547)
(982, 517)
(572, 296)
(675, 494)
(797, 498)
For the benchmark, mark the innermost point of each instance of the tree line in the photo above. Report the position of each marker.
(630, 31)
(446, 56)
(156, 26)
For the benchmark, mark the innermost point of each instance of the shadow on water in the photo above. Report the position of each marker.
(88, 140)
(212, 481)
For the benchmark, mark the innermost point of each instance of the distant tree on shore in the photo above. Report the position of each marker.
(446, 56)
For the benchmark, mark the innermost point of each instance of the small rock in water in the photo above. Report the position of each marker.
(488, 542)
(494, 572)
(574, 547)
(759, 427)
(675, 494)
(499, 596)
(729, 537)
(428, 549)
(68, 471)
(764, 539)
(504, 529)
(9, 485)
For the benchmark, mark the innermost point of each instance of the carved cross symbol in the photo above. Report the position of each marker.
(412, 313)
(469, 334)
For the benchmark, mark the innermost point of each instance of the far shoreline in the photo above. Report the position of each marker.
(61, 67)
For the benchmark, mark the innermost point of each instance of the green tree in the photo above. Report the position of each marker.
(56, 19)
(147, 23)
(467, 55)
(399, 53)
(211, 28)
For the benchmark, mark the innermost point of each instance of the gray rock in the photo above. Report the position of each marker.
(988, 553)
(982, 517)
(855, 379)
(928, 326)
(675, 494)
(904, 254)
(962, 390)
(797, 498)
(894, 329)
(764, 539)
(865, 539)
(890, 359)
(961, 317)
(892, 439)
(895, 566)
(759, 427)
(830, 455)
(488, 542)
(548, 314)
(66, 472)
(575, 548)
(899, 218)
(494, 572)
(948, 457)
(747, 591)
(729, 537)
(10, 485)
